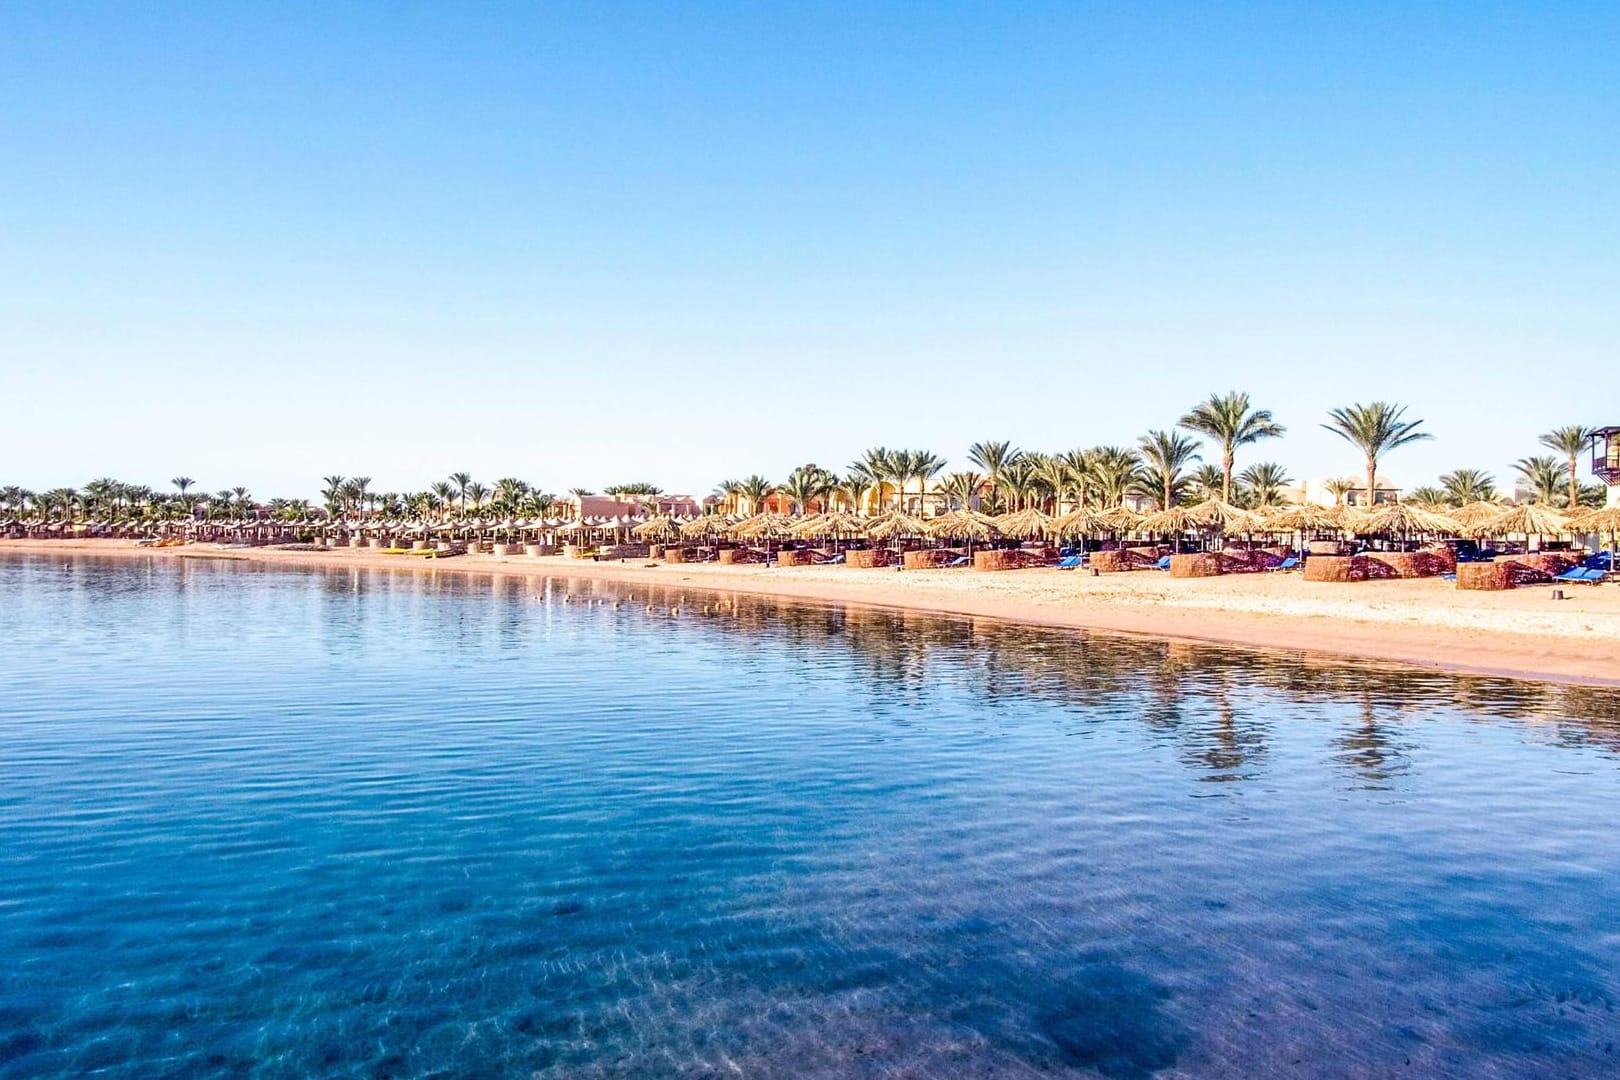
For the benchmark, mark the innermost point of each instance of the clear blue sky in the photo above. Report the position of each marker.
(676, 242)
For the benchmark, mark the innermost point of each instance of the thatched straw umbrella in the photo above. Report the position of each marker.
(896, 523)
(1527, 520)
(707, 525)
(963, 526)
(1222, 515)
(1120, 519)
(833, 524)
(1601, 522)
(764, 526)
(1030, 524)
(1402, 519)
(1308, 517)
(1477, 514)
(1076, 524)
(655, 528)
(1172, 522)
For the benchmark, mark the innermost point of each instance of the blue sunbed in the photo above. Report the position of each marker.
(1071, 563)
(1577, 575)
(1290, 563)
(1163, 563)
(960, 560)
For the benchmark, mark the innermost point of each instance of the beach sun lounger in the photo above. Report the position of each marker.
(960, 560)
(1290, 563)
(1163, 563)
(1576, 575)
(1073, 562)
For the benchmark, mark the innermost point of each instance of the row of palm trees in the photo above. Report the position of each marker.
(1165, 468)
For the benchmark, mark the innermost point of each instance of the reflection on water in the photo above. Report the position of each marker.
(429, 823)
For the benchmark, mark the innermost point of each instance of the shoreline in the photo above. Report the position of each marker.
(1421, 623)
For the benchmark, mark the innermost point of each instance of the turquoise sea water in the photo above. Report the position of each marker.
(285, 823)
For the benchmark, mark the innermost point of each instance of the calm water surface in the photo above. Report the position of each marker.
(280, 823)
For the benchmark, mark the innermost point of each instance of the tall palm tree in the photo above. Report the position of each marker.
(1264, 482)
(509, 492)
(1078, 463)
(1168, 454)
(1542, 475)
(854, 487)
(1375, 430)
(184, 483)
(959, 489)
(1114, 470)
(462, 482)
(1571, 441)
(443, 492)
(475, 496)
(994, 457)
(923, 466)
(1229, 420)
(756, 489)
(1207, 482)
(806, 484)
(877, 468)
(1464, 486)
(899, 465)
(1018, 480)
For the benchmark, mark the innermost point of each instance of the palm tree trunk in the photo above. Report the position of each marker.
(1372, 480)
(1227, 461)
(1574, 482)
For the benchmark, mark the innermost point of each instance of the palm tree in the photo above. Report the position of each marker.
(756, 489)
(509, 492)
(333, 493)
(1464, 486)
(806, 484)
(1542, 475)
(443, 492)
(923, 466)
(854, 487)
(475, 495)
(1571, 441)
(1114, 470)
(1018, 480)
(1207, 482)
(462, 482)
(1229, 421)
(1375, 429)
(993, 458)
(1427, 495)
(959, 489)
(1264, 481)
(1339, 487)
(730, 491)
(1168, 455)
(183, 484)
(1078, 463)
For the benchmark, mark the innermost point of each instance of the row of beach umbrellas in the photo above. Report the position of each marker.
(1481, 519)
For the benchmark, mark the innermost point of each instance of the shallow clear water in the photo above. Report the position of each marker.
(284, 823)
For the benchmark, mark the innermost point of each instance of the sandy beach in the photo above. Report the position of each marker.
(1425, 623)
